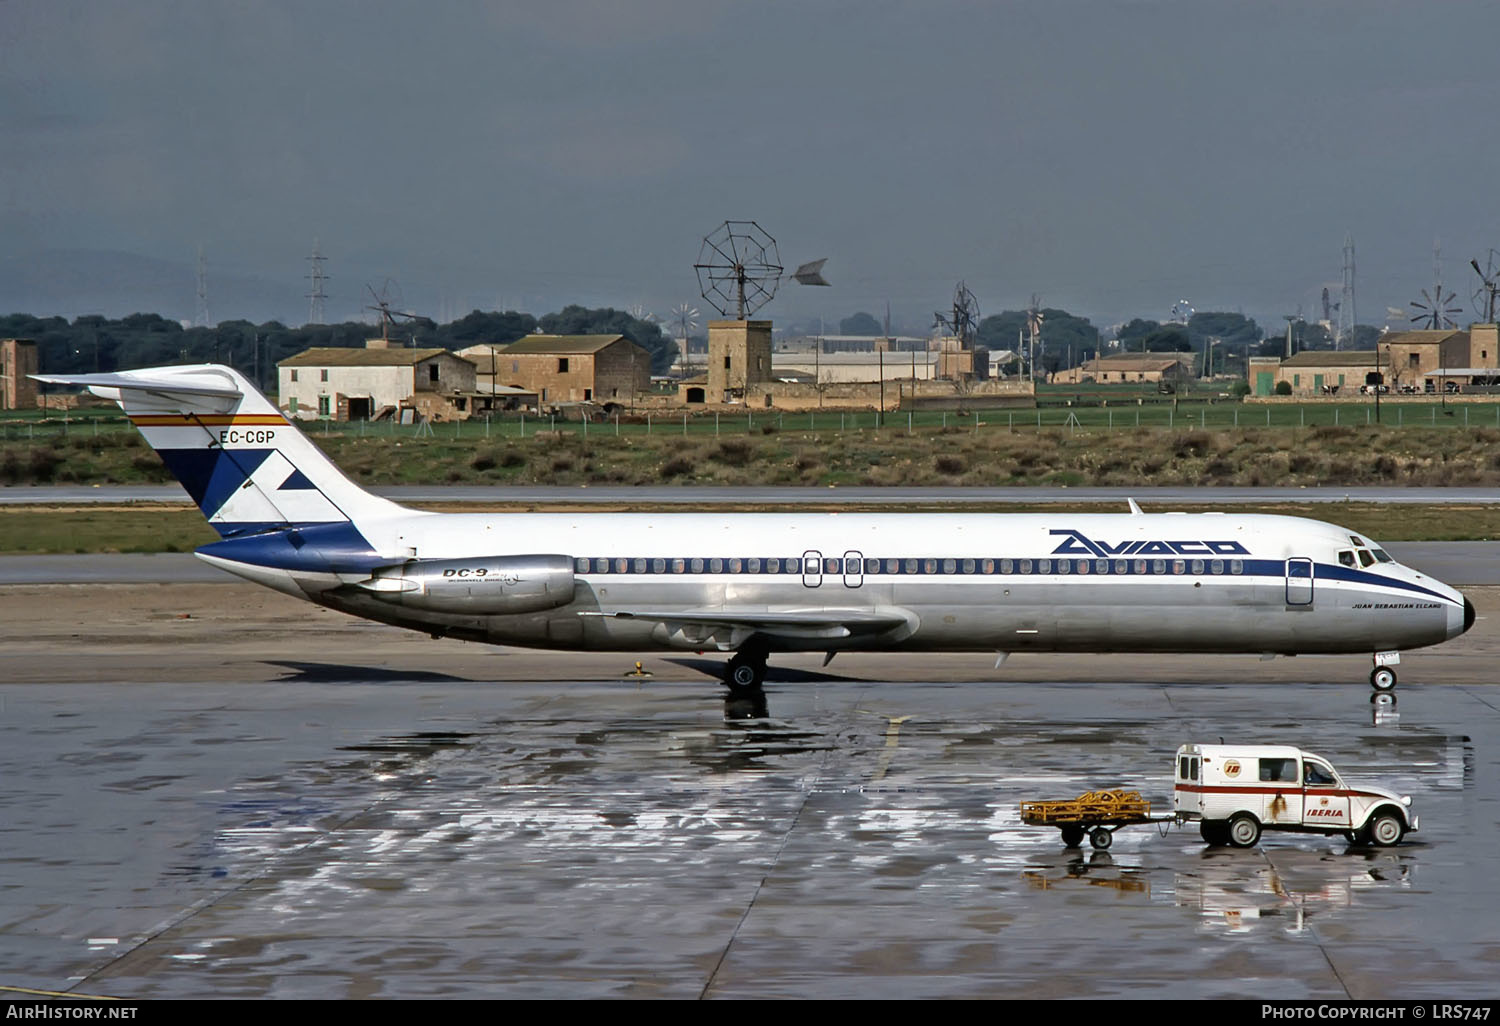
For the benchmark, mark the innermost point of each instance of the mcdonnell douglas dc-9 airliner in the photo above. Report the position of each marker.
(760, 583)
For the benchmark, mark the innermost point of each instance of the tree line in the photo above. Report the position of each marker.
(96, 344)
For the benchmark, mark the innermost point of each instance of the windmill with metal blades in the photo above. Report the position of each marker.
(685, 322)
(386, 301)
(739, 270)
(1434, 310)
(1483, 297)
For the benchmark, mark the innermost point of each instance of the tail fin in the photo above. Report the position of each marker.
(245, 465)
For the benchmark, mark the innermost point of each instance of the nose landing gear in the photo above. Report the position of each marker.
(1383, 680)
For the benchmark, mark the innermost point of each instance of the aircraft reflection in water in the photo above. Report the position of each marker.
(757, 584)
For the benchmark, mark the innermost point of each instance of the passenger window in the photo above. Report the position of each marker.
(752, 565)
(989, 566)
(734, 566)
(1236, 566)
(773, 566)
(1044, 566)
(1006, 566)
(1346, 557)
(715, 566)
(872, 566)
(1064, 565)
(658, 566)
(1197, 566)
(1122, 566)
(949, 566)
(968, 566)
(601, 566)
(1025, 566)
(697, 566)
(1140, 566)
(1101, 567)
(678, 566)
(640, 566)
(622, 565)
(1083, 566)
(1158, 566)
(893, 566)
(929, 566)
(1178, 566)
(831, 566)
(1365, 559)
(910, 567)
(1278, 769)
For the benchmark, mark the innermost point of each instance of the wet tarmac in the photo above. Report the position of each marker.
(382, 835)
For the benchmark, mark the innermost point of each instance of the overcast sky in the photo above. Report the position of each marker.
(1111, 156)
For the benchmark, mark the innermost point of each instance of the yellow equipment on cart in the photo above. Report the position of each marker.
(1097, 814)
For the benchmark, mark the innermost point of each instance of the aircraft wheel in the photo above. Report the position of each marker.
(1072, 836)
(1101, 838)
(1244, 830)
(746, 673)
(1382, 678)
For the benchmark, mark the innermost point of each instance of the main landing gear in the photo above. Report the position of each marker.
(746, 671)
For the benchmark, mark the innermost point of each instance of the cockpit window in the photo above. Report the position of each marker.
(1365, 559)
(1380, 556)
(1346, 557)
(1356, 540)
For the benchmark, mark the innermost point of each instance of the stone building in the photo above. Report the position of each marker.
(566, 368)
(18, 359)
(374, 383)
(1129, 368)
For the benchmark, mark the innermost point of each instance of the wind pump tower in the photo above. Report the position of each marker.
(1433, 314)
(1483, 297)
(739, 270)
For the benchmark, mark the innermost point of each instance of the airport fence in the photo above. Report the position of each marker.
(1162, 416)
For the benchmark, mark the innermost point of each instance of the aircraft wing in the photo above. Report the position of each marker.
(830, 624)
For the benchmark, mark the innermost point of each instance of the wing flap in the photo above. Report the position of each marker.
(827, 624)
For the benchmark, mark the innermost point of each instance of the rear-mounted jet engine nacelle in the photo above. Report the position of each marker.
(485, 585)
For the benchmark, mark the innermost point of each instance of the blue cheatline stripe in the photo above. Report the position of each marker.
(1254, 571)
(211, 475)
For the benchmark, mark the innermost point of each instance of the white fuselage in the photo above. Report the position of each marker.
(960, 582)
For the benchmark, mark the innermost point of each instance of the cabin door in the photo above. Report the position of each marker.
(1299, 581)
(854, 569)
(812, 568)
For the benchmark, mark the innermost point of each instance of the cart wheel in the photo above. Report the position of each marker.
(1101, 838)
(1072, 835)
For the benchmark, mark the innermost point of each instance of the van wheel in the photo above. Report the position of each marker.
(1244, 830)
(1214, 832)
(1386, 830)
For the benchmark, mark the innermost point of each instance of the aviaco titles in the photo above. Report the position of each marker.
(756, 584)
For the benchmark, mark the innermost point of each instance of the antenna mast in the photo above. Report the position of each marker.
(1345, 333)
(317, 277)
(201, 319)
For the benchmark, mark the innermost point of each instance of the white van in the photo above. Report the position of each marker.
(1236, 791)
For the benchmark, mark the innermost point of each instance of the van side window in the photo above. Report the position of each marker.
(1279, 769)
(1316, 775)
